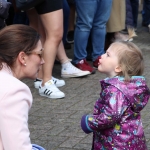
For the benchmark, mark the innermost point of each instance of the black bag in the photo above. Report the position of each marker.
(27, 4)
(4, 9)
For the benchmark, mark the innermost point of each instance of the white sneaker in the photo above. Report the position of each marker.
(50, 90)
(68, 70)
(57, 82)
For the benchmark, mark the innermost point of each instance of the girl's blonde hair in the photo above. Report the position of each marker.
(130, 59)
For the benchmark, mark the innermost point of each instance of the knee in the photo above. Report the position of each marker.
(58, 34)
(84, 27)
(55, 35)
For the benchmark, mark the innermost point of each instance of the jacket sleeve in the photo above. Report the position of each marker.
(107, 112)
(14, 108)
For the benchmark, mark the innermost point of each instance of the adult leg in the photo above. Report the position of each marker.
(85, 15)
(66, 11)
(35, 23)
(49, 26)
(70, 35)
(135, 10)
(129, 15)
(147, 12)
(98, 32)
(84, 22)
(52, 23)
(68, 70)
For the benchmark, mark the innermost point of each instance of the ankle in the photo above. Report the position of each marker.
(63, 61)
(44, 81)
(65, 64)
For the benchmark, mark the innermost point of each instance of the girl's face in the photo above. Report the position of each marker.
(33, 62)
(108, 63)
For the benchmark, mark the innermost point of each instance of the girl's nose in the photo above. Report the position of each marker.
(102, 55)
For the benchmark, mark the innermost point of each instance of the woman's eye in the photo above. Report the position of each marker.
(107, 54)
(40, 55)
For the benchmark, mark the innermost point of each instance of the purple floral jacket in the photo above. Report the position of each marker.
(116, 122)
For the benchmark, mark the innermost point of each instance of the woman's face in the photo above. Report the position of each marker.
(33, 62)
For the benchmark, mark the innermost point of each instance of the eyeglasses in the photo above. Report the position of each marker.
(39, 53)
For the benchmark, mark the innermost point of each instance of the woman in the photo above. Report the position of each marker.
(20, 57)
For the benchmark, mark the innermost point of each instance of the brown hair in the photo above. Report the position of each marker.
(130, 59)
(13, 40)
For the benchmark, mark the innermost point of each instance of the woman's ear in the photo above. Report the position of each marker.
(22, 58)
(118, 69)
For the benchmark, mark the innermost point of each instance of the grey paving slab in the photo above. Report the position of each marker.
(55, 124)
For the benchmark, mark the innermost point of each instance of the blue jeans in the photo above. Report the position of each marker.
(92, 16)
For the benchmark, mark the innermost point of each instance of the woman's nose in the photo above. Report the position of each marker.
(42, 61)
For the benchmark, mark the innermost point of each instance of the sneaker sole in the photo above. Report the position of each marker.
(57, 85)
(93, 72)
(53, 97)
(74, 75)
(70, 42)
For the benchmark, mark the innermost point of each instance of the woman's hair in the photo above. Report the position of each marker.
(13, 40)
(130, 59)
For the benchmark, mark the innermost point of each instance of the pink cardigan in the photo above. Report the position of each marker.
(15, 102)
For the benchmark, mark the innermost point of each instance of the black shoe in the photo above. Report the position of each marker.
(125, 31)
(70, 37)
(67, 45)
(144, 24)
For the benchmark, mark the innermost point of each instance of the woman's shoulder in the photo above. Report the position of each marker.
(9, 80)
(10, 83)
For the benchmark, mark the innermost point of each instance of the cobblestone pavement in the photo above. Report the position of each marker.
(55, 124)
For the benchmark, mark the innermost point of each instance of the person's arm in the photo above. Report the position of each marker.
(109, 115)
(14, 108)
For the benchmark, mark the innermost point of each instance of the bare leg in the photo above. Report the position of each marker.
(61, 54)
(54, 31)
(35, 23)
(53, 28)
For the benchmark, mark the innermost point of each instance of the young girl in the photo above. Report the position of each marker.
(116, 122)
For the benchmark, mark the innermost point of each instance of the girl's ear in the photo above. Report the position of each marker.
(22, 58)
(118, 69)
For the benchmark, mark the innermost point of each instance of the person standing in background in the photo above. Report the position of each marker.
(47, 19)
(92, 16)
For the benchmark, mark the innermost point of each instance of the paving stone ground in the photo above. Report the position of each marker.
(55, 124)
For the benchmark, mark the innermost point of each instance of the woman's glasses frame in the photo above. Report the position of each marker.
(39, 53)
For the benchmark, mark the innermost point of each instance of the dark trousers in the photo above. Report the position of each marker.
(135, 8)
(66, 12)
(21, 18)
(146, 12)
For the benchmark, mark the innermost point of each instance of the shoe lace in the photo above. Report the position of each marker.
(72, 67)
